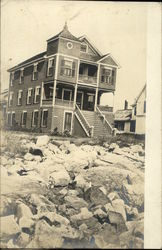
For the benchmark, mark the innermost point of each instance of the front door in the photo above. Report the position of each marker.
(79, 99)
(67, 121)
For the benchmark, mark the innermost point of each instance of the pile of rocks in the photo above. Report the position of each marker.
(59, 195)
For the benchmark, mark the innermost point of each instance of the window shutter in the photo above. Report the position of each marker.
(33, 97)
(26, 96)
(41, 118)
(32, 119)
(21, 119)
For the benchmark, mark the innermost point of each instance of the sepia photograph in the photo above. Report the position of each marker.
(73, 105)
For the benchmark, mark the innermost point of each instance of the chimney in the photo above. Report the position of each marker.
(126, 104)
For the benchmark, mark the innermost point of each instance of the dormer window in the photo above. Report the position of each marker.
(21, 76)
(50, 69)
(84, 48)
(35, 72)
(107, 75)
(12, 76)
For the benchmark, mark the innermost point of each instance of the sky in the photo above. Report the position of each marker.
(119, 28)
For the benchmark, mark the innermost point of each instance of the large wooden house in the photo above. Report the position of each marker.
(61, 88)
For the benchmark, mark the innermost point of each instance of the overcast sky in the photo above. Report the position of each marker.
(118, 28)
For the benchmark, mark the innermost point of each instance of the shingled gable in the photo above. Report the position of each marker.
(108, 59)
(86, 40)
(65, 33)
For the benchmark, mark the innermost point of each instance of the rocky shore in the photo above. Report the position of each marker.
(60, 194)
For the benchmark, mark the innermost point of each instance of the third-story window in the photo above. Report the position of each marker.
(29, 96)
(35, 72)
(37, 94)
(84, 47)
(21, 76)
(19, 97)
(67, 68)
(107, 75)
(11, 98)
(50, 69)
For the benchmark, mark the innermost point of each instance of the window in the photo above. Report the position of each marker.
(67, 94)
(50, 69)
(135, 110)
(11, 98)
(12, 75)
(83, 47)
(107, 75)
(35, 118)
(35, 72)
(44, 118)
(19, 98)
(21, 76)
(144, 108)
(90, 104)
(67, 68)
(13, 121)
(29, 96)
(37, 94)
(23, 118)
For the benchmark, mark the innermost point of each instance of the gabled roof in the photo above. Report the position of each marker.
(136, 99)
(33, 58)
(109, 55)
(65, 33)
(123, 115)
(82, 38)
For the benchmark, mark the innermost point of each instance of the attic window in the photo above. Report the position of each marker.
(84, 48)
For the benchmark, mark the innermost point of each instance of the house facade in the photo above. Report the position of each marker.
(139, 112)
(61, 88)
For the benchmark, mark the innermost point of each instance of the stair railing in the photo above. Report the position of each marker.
(105, 121)
(89, 130)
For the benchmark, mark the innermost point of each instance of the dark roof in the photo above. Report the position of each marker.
(135, 102)
(65, 33)
(123, 115)
(38, 56)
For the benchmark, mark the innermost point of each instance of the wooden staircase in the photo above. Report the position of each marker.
(94, 124)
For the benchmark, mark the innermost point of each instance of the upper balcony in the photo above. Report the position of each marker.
(88, 74)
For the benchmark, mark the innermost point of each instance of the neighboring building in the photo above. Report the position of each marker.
(3, 105)
(132, 120)
(139, 112)
(123, 120)
(60, 89)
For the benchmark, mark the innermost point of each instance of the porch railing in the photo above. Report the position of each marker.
(105, 121)
(88, 79)
(65, 103)
(84, 123)
(105, 108)
(47, 102)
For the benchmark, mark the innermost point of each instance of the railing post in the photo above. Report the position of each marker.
(75, 94)
(96, 97)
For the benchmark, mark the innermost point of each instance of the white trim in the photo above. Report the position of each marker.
(64, 55)
(26, 64)
(81, 124)
(67, 111)
(49, 60)
(13, 112)
(35, 110)
(48, 57)
(91, 45)
(20, 91)
(109, 65)
(56, 68)
(22, 117)
(88, 62)
(28, 96)
(91, 94)
(11, 94)
(87, 84)
(37, 87)
(109, 55)
(41, 98)
(70, 90)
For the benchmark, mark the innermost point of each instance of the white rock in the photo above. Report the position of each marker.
(23, 211)
(54, 217)
(9, 227)
(108, 207)
(60, 177)
(42, 140)
(29, 157)
(83, 215)
(113, 195)
(119, 207)
(26, 222)
(81, 182)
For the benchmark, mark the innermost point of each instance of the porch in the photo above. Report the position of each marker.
(88, 73)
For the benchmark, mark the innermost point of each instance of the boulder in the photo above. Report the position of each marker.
(6, 207)
(117, 219)
(96, 195)
(9, 227)
(28, 157)
(54, 219)
(36, 151)
(75, 202)
(100, 215)
(23, 211)
(22, 240)
(81, 182)
(83, 215)
(60, 178)
(112, 196)
(108, 207)
(26, 224)
(119, 207)
(42, 140)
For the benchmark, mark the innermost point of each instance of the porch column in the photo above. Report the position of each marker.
(54, 92)
(96, 97)
(75, 94)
